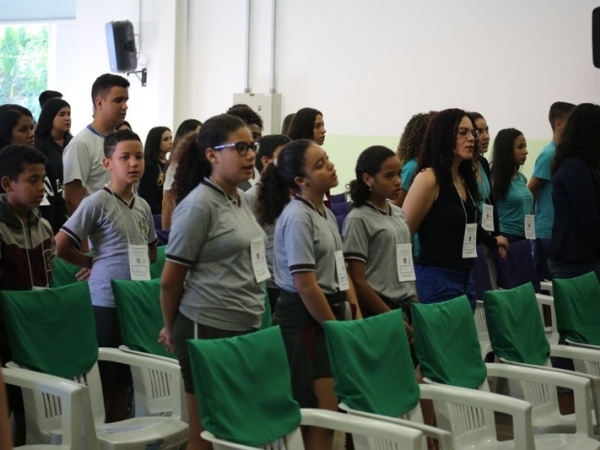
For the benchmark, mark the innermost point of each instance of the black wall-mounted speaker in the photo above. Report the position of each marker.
(120, 41)
(596, 36)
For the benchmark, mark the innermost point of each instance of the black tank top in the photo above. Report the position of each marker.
(442, 231)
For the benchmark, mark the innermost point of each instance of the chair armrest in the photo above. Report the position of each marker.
(361, 425)
(443, 437)
(70, 393)
(582, 345)
(520, 410)
(545, 299)
(546, 286)
(223, 445)
(582, 388)
(171, 368)
(126, 349)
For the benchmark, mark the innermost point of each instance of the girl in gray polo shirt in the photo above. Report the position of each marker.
(210, 286)
(310, 270)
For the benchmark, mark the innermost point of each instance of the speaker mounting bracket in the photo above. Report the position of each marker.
(141, 75)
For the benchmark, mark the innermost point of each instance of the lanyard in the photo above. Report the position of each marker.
(462, 203)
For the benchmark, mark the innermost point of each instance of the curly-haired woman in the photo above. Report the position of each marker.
(441, 206)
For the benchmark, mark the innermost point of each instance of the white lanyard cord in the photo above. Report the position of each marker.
(463, 204)
(29, 261)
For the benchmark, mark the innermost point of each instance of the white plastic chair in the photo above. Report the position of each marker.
(552, 331)
(364, 431)
(546, 286)
(137, 433)
(482, 330)
(152, 389)
(69, 398)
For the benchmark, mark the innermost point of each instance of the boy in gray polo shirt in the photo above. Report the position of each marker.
(115, 220)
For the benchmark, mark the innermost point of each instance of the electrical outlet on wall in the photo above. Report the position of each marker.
(268, 107)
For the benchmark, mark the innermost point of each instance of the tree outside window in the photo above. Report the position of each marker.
(23, 64)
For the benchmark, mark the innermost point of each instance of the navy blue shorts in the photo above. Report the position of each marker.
(438, 284)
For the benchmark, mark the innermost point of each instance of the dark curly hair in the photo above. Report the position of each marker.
(193, 166)
(438, 150)
(412, 136)
(369, 162)
(580, 137)
(247, 114)
(278, 179)
(503, 161)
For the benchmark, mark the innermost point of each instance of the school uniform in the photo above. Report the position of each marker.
(371, 236)
(111, 224)
(512, 208)
(212, 235)
(306, 240)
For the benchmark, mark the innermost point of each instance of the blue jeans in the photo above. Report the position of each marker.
(438, 284)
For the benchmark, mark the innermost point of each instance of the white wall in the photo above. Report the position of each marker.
(368, 65)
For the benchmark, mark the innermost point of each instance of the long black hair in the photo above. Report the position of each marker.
(278, 179)
(503, 161)
(580, 137)
(9, 118)
(369, 162)
(303, 124)
(51, 108)
(193, 166)
(153, 142)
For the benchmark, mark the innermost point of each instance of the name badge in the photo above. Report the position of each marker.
(342, 275)
(487, 221)
(529, 226)
(259, 260)
(404, 263)
(139, 262)
(469, 249)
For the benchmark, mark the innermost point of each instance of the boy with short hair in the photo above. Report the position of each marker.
(27, 248)
(123, 240)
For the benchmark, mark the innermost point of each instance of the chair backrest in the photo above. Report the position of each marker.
(243, 387)
(140, 315)
(52, 330)
(156, 267)
(577, 305)
(63, 273)
(371, 364)
(481, 274)
(338, 198)
(447, 344)
(517, 268)
(515, 326)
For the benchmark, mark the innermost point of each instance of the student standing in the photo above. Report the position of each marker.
(27, 249)
(211, 285)
(120, 228)
(159, 143)
(310, 270)
(84, 171)
(442, 207)
(513, 199)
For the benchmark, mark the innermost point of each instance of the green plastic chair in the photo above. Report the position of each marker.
(156, 267)
(447, 347)
(577, 303)
(53, 331)
(63, 273)
(243, 387)
(517, 335)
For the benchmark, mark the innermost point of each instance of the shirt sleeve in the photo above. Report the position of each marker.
(169, 177)
(356, 241)
(77, 163)
(299, 244)
(543, 166)
(408, 173)
(189, 231)
(79, 225)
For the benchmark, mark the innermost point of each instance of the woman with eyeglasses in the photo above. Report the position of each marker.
(310, 270)
(441, 206)
(514, 200)
(212, 286)
(159, 143)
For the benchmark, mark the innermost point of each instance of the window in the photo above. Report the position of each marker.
(24, 53)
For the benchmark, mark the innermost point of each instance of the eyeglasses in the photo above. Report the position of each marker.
(462, 131)
(241, 147)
